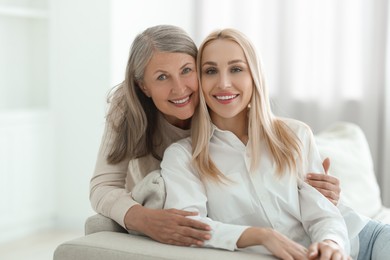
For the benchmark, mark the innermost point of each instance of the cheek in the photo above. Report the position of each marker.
(207, 84)
(192, 82)
(206, 90)
(206, 95)
(159, 93)
(248, 83)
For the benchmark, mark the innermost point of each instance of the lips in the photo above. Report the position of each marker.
(182, 101)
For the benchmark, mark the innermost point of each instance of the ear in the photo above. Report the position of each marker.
(144, 89)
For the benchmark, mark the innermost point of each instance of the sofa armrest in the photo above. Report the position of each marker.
(99, 223)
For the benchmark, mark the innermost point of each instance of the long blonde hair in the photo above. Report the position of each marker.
(283, 144)
(133, 115)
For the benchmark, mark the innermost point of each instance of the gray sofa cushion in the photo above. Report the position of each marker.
(120, 246)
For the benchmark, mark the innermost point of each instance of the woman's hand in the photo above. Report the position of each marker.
(325, 250)
(278, 244)
(329, 186)
(167, 226)
(283, 247)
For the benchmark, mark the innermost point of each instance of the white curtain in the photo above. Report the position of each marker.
(324, 60)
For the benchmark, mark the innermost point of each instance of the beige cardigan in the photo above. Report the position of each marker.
(111, 184)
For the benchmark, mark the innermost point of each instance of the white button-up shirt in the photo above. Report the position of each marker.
(286, 204)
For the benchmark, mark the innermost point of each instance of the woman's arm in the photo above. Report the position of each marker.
(109, 197)
(321, 219)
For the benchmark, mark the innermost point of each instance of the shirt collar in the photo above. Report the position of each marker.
(227, 136)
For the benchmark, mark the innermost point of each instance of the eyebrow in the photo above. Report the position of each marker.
(186, 64)
(236, 61)
(182, 67)
(212, 63)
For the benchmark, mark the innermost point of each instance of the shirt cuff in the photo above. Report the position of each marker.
(224, 236)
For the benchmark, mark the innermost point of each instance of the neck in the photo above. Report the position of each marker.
(183, 124)
(238, 125)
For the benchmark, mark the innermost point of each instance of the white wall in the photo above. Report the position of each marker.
(131, 17)
(90, 46)
(80, 68)
(26, 177)
(27, 188)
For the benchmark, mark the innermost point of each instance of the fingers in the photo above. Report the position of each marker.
(188, 222)
(195, 224)
(331, 192)
(313, 251)
(194, 233)
(324, 182)
(328, 185)
(326, 165)
(323, 178)
(183, 236)
(326, 251)
(173, 227)
(331, 195)
(283, 247)
(183, 213)
(190, 230)
(187, 237)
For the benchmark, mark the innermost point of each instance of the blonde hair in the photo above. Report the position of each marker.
(133, 115)
(283, 144)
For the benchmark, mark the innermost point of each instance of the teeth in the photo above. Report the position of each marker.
(225, 97)
(181, 101)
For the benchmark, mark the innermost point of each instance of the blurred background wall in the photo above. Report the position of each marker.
(325, 61)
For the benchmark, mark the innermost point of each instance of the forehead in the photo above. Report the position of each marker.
(168, 60)
(222, 50)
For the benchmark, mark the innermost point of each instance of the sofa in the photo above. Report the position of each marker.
(351, 161)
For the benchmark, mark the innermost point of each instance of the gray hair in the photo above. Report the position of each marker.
(133, 115)
(162, 38)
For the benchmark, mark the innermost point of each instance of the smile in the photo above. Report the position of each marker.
(181, 101)
(229, 97)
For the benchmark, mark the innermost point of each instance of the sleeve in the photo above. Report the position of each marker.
(320, 218)
(108, 195)
(185, 191)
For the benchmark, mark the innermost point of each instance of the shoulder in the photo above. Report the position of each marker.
(299, 128)
(181, 147)
(177, 155)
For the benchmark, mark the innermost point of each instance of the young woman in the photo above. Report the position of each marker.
(151, 109)
(243, 169)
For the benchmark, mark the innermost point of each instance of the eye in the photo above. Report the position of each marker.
(186, 70)
(210, 71)
(236, 69)
(162, 77)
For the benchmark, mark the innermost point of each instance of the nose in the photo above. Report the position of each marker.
(178, 86)
(224, 81)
